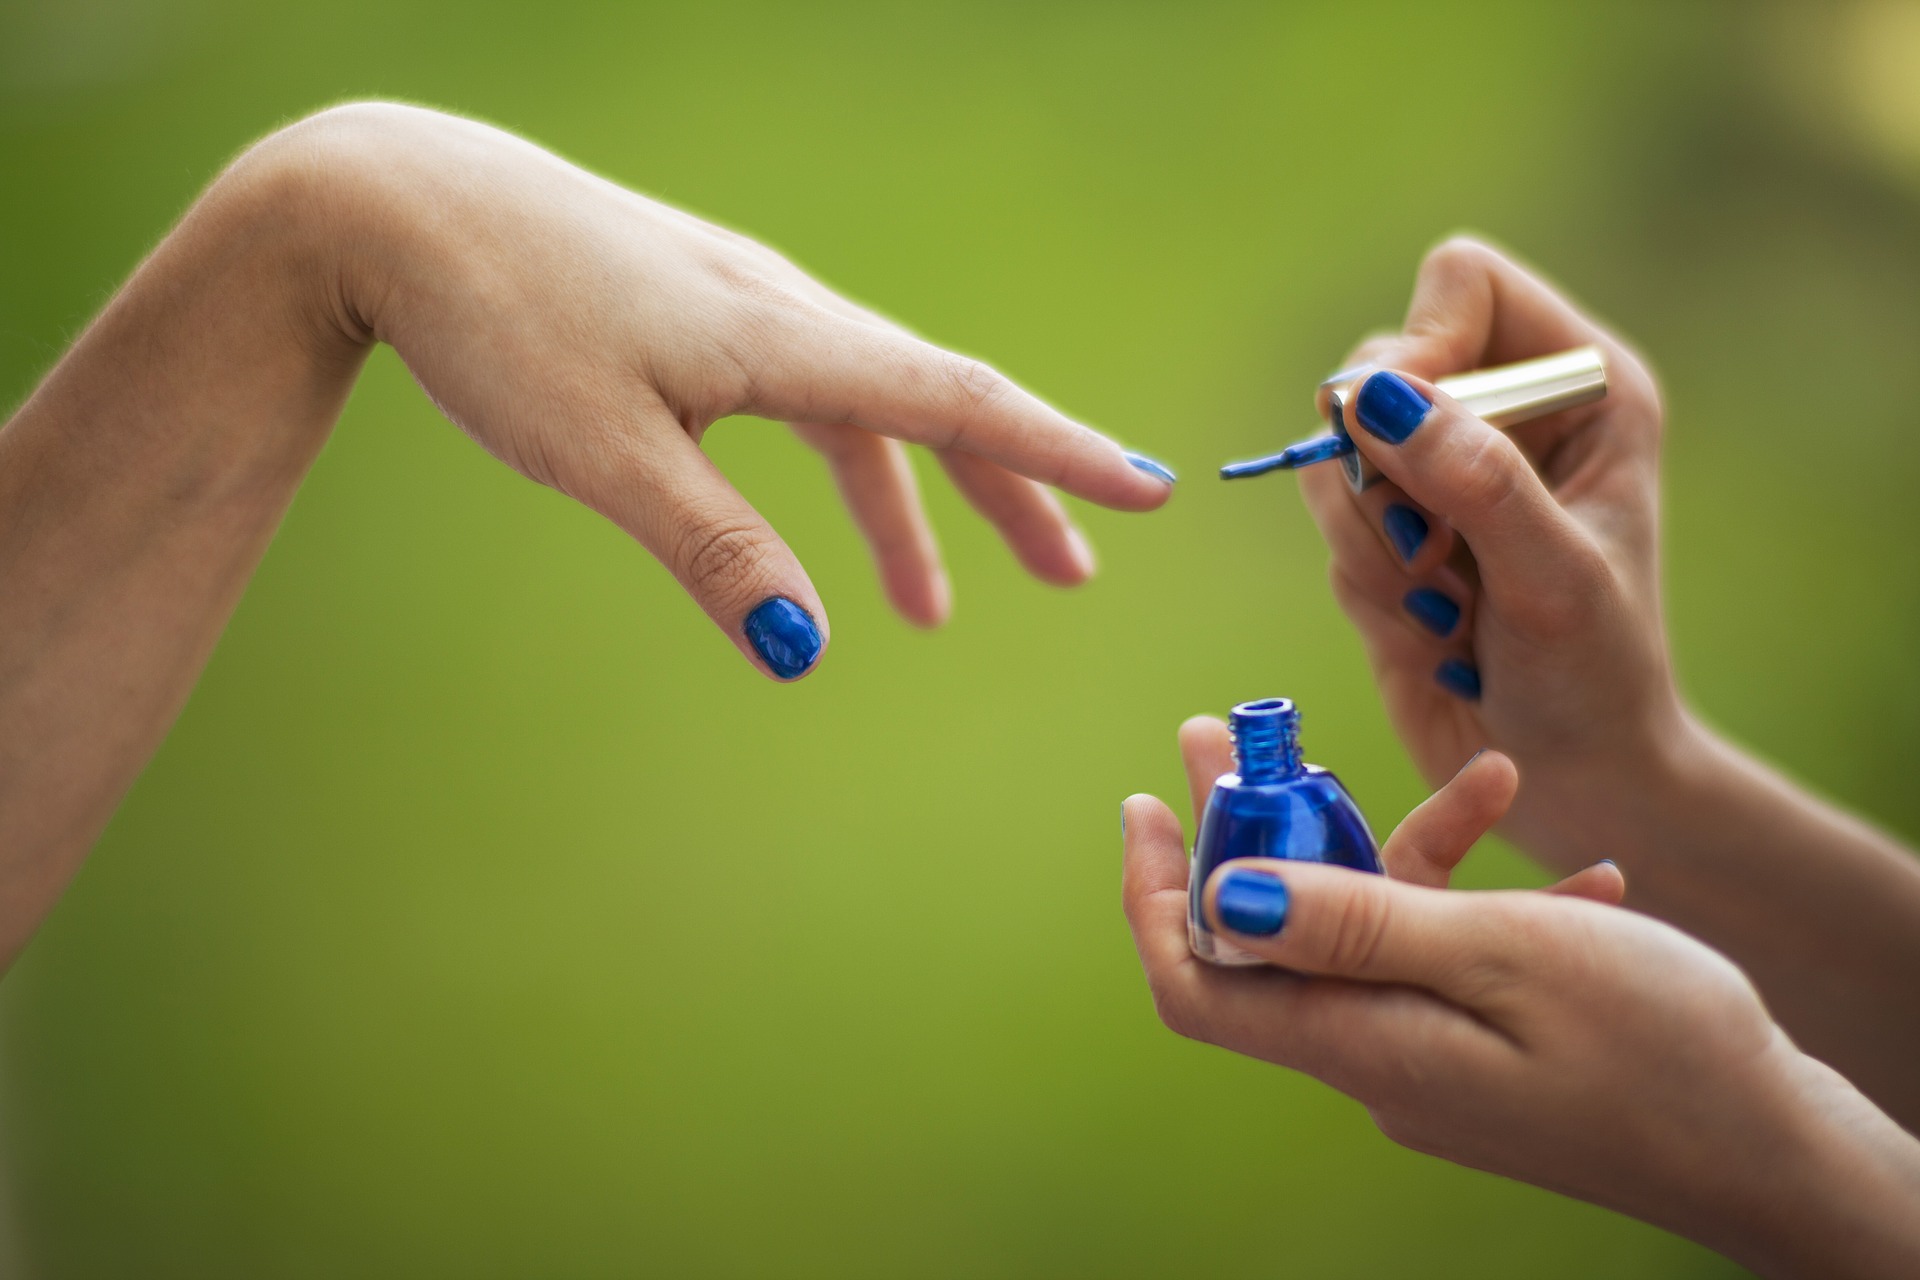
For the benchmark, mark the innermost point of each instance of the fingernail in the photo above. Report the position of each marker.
(785, 636)
(1432, 610)
(1607, 862)
(1390, 408)
(1461, 679)
(1123, 817)
(1158, 470)
(1406, 530)
(1251, 902)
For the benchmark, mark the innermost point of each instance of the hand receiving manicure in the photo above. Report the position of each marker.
(589, 336)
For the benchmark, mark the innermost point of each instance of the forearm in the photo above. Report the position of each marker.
(139, 487)
(1820, 909)
(1839, 1197)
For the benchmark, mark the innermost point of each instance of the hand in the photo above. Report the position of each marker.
(1527, 617)
(585, 335)
(588, 337)
(1547, 1036)
(1429, 843)
(1545, 543)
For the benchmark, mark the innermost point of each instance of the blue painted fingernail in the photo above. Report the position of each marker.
(785, 636)
(1158, 470)
(1607, 862)
(1251, 902)
(1123, 817)
(1390, 408)
(1461, 679)
(1406, 530)
(1432, 610)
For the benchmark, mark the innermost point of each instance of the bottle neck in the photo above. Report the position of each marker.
(1266, 740)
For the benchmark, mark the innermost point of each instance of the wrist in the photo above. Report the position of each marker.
(339, 192)
(1624, 801)
(228, 374)
(396, 233)
(1837, 1196)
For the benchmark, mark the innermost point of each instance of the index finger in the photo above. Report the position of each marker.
(1474, 306)
(1206, 748)
(821, 366)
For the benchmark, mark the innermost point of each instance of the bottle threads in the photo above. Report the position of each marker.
(1266, 739)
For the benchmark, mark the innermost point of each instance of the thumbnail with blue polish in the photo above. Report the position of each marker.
(1251, 902)
(1390, 408)
(784, 635)
(1432, 610)
(1158, 470)
(1406, 529)
(1461, 679)
(1275, 806)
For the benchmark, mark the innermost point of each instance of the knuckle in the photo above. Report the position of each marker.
(1458, 252)
(720, 553)
(976, 384)
(1175, 1007)
(1486, 977)
(765, 313)
(1526, 942)
(1585, 584)
(1338, 582)
(742, 275)
(1486, 473)
(1583, 587)
(1405, 1129)
(1359, 928)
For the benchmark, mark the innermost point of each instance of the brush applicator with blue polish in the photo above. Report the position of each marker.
(1303, 453)
(1504, 396)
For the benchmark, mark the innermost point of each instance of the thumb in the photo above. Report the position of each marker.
(662, 489)
(1332, 921)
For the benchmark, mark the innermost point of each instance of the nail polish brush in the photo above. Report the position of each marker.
(1503, 396)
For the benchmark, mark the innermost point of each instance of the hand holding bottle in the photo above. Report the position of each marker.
(1548, 1036)
(1507, 589)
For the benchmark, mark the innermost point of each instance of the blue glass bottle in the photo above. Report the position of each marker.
(1276, 806)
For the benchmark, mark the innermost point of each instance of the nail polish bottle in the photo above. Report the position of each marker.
(1276, 806)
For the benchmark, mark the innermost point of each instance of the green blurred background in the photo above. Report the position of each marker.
(485, 915)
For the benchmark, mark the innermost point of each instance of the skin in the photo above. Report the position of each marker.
(1547, 1036)
(584, 335)
(1555, 1037)
(1548, 540)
